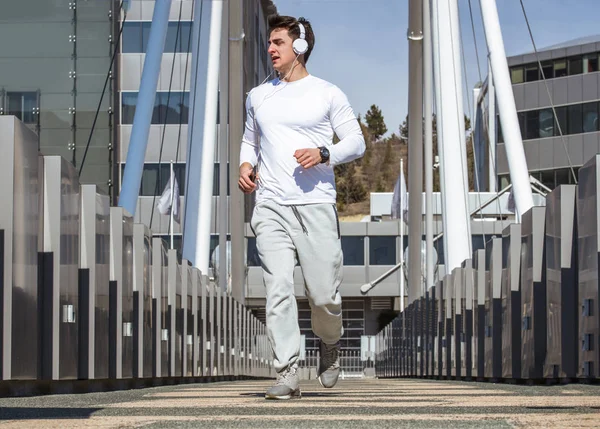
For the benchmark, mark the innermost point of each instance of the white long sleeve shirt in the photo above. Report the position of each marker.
(283, 117)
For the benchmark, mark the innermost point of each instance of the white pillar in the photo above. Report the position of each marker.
(457, 237)
(438, 102)
(511, 132)
(203, 132)
(474, 135)
(428, 142)
(415, 147)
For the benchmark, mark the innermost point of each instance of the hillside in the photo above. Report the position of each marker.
(377, 171)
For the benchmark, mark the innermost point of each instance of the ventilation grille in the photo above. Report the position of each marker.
(381, 303)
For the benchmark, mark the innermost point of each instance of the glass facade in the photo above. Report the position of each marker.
(552, 69)
(155, 177)
(136, 33)
(53, 73)
(573, 119)
(550, 178)
(169, 107)
(382, 250)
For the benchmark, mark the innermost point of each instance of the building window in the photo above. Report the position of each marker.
(214, 242)
(135, 37)
(590, 63)
(531, 73)
(516, 75)
(546, 123)
(548, 70)
(590, 117)
(575, 118)
(177, 243)
(155, 177)
(217, 182)
(382, 250)
(575, 65)
(532, 124)
(169, 108)
(353, 248)
(23, 106)
(561, 116)
(547, 178)
(252, 253)
(555, 178)
(572, 119)
(560, 68)
(503, 181)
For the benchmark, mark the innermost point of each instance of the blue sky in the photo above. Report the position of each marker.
(361, 45)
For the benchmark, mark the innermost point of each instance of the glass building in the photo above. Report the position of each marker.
(53, 74)
(556, 141)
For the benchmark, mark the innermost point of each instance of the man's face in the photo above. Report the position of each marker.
(280, 49)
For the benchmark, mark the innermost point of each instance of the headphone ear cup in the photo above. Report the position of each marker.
(300, 46)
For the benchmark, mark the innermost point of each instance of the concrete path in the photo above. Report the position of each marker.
(370, 403)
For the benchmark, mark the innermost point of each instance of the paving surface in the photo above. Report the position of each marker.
(368, 403)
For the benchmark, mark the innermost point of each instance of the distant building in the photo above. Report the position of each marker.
(572, 77)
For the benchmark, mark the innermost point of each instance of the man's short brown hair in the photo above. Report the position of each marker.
(290, 23)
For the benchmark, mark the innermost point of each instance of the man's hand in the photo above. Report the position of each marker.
(308, 158)
(246, 183)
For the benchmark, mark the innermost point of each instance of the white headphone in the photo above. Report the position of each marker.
(300, 45)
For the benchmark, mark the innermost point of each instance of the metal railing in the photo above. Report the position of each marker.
(89, 294)
(520, 310)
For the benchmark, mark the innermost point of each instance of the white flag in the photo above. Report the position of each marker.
(400, 198)
(164, 203)
(510, 204)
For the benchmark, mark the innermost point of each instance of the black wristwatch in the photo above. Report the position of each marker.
(324, 152)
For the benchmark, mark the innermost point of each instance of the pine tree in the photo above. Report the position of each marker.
(349, 189)
(389, 160)
(375, 122)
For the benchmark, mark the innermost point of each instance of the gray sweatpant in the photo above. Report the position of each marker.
(310, 234)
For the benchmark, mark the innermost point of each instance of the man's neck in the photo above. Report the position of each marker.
(299, 72)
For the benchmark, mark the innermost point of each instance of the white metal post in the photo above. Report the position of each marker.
(402, 269)
(511, 131)
(474, 125)
(201, 145)
(415, 146)
(428, 141)
(457, 237)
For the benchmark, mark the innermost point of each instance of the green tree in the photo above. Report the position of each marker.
(375, 122)
(389, 160)
(349, 189)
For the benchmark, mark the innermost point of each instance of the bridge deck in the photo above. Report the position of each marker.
(352, 404)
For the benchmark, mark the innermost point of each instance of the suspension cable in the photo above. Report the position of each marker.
(108, 75)
(562, 137)
(475, 163)
(488, 138)
(474, 40)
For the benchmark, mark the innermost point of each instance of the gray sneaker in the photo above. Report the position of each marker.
(329, 364)
(286, 387)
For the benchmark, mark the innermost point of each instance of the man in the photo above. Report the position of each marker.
(289, 128)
